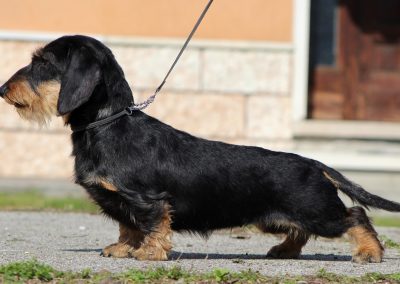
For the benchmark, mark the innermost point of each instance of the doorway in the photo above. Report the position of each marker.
(355, 60)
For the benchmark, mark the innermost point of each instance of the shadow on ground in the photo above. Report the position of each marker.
(175, 255)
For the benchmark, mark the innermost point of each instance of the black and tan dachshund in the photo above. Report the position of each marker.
(153, 179)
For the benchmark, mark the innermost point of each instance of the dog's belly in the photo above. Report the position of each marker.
(196, 223)
(206, 215)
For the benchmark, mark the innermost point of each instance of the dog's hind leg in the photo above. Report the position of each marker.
(291, 247)
(368, 248)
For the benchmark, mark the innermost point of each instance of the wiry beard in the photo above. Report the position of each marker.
(37, 107)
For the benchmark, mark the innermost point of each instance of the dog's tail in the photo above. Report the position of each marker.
(356, 192)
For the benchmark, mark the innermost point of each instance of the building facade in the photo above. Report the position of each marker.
(257, 73)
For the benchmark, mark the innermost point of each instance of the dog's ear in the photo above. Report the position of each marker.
(113, 76)
(79, 80)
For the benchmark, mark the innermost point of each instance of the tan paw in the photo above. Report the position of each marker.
(150, 253)
(118, 250)
(366, 256)
(282, 252)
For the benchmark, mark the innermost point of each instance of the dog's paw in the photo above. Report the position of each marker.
(154, 253)
(282, 252)
(118, 250)
(364, 256)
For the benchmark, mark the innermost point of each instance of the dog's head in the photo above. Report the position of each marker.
(63, 76)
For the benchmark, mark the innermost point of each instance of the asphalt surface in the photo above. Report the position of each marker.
(74, 242)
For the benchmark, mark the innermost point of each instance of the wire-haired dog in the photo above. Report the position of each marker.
(153, 179)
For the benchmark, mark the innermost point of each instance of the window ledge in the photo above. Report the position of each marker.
(353, 161)
(350, 145)
(366, 130)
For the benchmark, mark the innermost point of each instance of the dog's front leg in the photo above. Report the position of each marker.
(133, 243)
(157, 244)
(129, 240)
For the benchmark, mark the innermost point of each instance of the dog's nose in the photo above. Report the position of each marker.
(3, 90)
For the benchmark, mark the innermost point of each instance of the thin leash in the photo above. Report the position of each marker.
(140, 106)
(151, 99)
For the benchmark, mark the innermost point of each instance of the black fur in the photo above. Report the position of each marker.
(208, 185)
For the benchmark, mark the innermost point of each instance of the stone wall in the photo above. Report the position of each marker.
(230, 92)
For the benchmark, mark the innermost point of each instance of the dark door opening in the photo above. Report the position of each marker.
(355, 60)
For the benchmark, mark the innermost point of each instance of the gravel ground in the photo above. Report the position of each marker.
(74, 241)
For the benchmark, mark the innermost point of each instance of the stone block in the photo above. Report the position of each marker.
(206, 115)
(269, 117)
(35, 155)
(246, 71)
(146, 67)
(14, 56)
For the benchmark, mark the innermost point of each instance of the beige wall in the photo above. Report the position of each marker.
(204, 96)
(266, 20)
(246, 101)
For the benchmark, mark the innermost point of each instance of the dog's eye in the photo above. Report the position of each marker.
(19, 105)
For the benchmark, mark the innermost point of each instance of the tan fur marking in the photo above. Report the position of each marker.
(157, 244)
(154, 246)
(129, 240)
(20, 92)
(107, 185)
(368, 248)
(332, 180)
(103, 182)
(33, 107)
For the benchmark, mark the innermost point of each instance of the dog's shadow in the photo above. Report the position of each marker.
(176, 255)
(83, 250)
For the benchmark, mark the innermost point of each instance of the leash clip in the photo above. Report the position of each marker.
(129, 110)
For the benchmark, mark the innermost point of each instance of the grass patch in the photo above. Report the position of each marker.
(35, 272)
(35, 201)
(326, 277)
(389, 243)
(23, 271)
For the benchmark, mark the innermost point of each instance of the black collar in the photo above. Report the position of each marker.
(127, 111)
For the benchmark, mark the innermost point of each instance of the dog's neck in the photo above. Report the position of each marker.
(104, 102)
